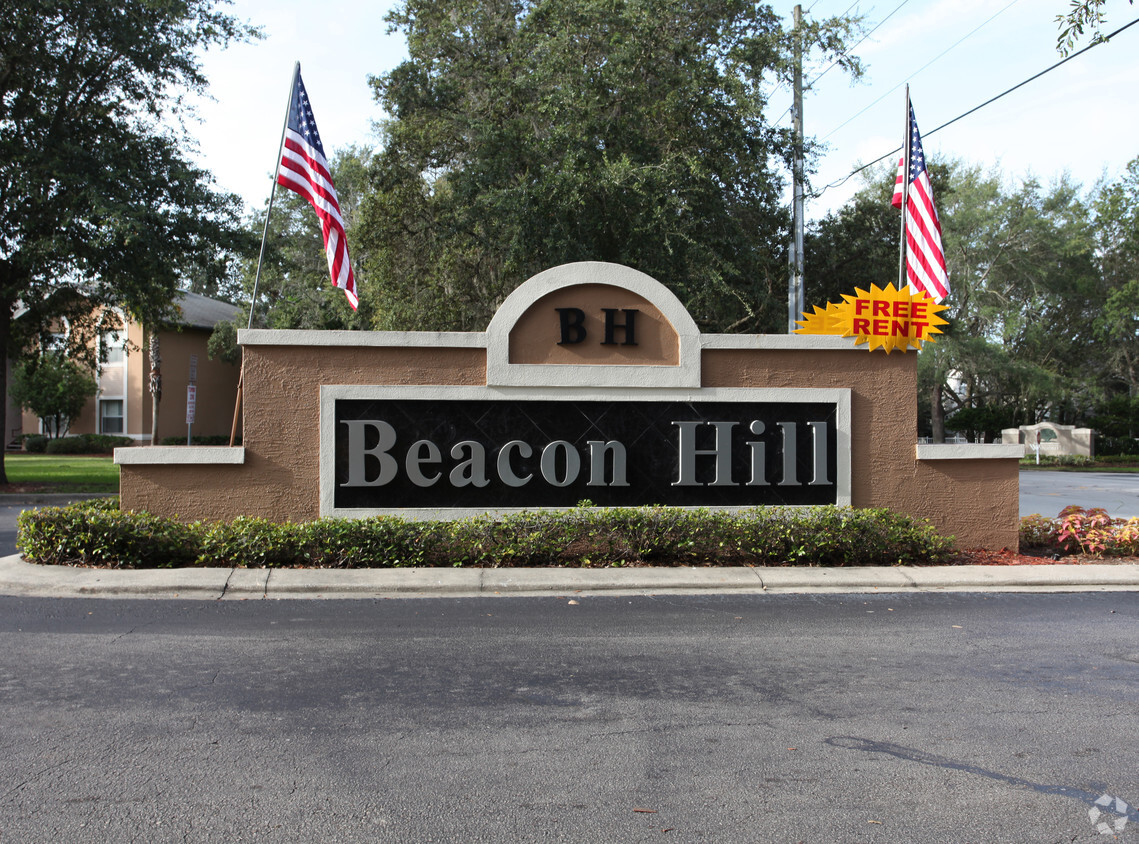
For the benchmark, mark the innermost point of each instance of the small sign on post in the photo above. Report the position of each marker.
(191, 398)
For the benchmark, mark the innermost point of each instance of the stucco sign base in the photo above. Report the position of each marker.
(330, 417)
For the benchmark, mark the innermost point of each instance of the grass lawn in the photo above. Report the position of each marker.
(59, 473)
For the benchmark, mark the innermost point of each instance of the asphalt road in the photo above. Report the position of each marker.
(8, 515)
(1048, 492)
(901, 718)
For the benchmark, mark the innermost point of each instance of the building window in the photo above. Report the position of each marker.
(111, 416)
(113, 351)
(112, 384)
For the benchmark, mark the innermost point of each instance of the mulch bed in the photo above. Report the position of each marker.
(1032, 557)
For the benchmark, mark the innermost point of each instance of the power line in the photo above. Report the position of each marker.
(860, 40)
(989, 101)
(833, 64)
(920, 69)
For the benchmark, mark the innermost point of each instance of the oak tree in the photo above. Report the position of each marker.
(523, 135)
(100, 204)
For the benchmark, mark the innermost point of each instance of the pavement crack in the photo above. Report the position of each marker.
(37, 775)
(225, 586)
(122, 635)
(921, 757)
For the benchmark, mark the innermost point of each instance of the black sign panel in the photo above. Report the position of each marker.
(437, 453)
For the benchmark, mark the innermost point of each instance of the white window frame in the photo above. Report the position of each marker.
(115, 339)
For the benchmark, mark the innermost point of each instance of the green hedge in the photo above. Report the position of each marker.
(98, 533)
(87, 444)
(208, 439)
(1120, 459)
(79, 444)
(1029, 459)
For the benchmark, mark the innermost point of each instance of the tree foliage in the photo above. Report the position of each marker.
(1082, 15)
(1117, 327)
(99, 203)
(529, 134)
(1026, 301)
(53, 388)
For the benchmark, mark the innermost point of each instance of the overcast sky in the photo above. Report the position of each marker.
(955, 54)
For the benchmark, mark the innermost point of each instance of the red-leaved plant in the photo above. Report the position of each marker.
(1091, 531)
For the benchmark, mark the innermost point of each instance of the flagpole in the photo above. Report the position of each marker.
(903, 282)
(261, 254)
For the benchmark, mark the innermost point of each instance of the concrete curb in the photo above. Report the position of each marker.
(21, 578)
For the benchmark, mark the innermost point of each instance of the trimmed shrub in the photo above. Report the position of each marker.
(87, 444)
(35, 443)
(99, 534)
(68, 445)
(106, 443)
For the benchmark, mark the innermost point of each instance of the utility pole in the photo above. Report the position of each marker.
(795, 298)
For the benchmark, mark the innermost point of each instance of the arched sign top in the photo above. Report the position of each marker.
(596, 324)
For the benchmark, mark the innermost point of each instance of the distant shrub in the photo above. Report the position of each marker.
(1117, 459)
(106, 443)
(1029, 459)
(87, 444)
(209, 439)
(1113, 446)
(35, 443)
(68, 445)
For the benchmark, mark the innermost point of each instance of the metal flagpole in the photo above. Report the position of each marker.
(903, 282)
(795, 295)
(261, 254)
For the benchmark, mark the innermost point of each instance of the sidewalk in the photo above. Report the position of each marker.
(24, 579)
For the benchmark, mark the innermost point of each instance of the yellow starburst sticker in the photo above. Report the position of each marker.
(883, 317)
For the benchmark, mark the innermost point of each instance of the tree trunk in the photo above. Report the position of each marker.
(937, 415)
(155, 387)
(5, 334)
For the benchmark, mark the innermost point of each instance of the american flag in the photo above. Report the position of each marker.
(925, 257)
(304, 169)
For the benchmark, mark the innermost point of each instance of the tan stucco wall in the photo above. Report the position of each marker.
(138, 383)
(975, 500)
(217, 387)
(656, 340)
(281, 410)
(883, 403)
